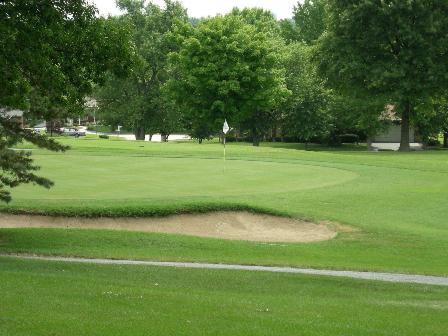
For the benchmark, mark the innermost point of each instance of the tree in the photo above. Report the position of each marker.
(306, 112)
(309, 19)
(288, 30)
(433, 121)
(263, 20)
(51, 53)
(391, 50)
(227, 68)
(351, 115)
(137, 101)
(307, 24)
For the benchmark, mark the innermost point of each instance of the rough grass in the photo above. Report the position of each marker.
(57, 298)
(364, 253)
(395, 200)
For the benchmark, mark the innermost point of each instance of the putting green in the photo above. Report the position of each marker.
(121, 177)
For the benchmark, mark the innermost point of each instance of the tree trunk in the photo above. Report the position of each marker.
(150, 137)
(274, 134)
(405, 128)
(255, 137)
(164, 137)
(445, 139)
(200, 141)
(139, 133)
(369, 143)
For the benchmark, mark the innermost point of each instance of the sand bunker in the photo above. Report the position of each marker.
(223, 225)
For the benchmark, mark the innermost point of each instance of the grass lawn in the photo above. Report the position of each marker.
(57, 298)
(397, 201)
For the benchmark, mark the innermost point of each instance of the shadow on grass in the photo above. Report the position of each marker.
(316, 147)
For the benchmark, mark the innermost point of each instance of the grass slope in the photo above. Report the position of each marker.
(44, 298)
(396, 200)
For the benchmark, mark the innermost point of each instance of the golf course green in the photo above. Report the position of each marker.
(115, 178)
(393, 203)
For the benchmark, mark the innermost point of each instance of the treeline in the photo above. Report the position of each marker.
(335, 68)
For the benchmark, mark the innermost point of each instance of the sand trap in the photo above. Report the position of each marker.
(223, 225)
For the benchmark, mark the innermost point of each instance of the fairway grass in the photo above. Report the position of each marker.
(395, 201)
(57, 298)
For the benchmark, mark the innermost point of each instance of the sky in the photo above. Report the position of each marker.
(201, 8)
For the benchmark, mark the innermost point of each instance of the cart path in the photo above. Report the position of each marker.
(389, 277)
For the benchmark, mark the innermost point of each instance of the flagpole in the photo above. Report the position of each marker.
(225, 129)
(224, 153)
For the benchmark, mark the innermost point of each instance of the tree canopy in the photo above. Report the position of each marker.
(309, 18)
(306, 112)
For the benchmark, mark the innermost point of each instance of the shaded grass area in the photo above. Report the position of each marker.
(145, 208)
(57, 298)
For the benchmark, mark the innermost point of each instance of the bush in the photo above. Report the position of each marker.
(104, 136)
(432, 142)
(232, 138)
(349, 138)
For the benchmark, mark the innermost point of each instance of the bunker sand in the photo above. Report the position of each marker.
(223, 225)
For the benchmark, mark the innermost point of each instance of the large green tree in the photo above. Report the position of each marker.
(263, 20)
(137, 102)
(392, 50)
(306, 113)
(228, 68)
(309, 19)
(307, 24)
(314, 111)
(51, 54)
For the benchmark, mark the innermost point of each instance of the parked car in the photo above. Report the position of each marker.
(72, 132)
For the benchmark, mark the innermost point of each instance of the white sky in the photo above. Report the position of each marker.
(201, 8)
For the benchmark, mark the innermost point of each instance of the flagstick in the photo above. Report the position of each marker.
(225, 129)
(224, 153)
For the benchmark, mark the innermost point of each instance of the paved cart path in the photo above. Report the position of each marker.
(390, 277)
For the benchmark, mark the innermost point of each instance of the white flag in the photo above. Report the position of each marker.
(225, 127)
